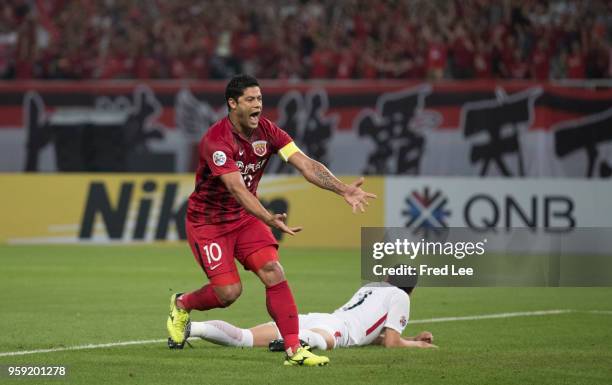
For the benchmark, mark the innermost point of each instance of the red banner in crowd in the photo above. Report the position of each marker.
(381, 127)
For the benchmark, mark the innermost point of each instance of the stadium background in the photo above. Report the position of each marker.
(437, 103)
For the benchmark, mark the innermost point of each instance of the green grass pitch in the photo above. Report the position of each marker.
(62, 296)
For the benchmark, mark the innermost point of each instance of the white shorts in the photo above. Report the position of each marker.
(325, 321)
(328, 322)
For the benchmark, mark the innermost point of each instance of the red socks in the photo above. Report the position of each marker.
(279, 301)
(201, 299)
(283, 311)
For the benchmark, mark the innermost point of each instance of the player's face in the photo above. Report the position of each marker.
(248, 107)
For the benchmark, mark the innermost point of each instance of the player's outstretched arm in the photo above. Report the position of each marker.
(390, 338)
(235, 185)
(317, 174)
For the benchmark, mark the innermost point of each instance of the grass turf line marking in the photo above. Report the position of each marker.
(491, 316)
(599, 312)
(81, 347)
(421, 321)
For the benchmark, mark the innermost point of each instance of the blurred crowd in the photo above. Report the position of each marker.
(305, 39)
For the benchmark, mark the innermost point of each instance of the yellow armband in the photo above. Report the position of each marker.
(289, 149)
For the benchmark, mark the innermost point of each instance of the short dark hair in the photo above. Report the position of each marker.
(405, 282)
(236, 86)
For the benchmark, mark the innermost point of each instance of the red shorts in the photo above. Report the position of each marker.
(215, 252)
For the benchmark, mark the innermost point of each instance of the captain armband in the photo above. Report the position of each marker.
(289, 149)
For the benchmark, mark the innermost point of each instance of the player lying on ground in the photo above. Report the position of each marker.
(226, 222)
(376, 314)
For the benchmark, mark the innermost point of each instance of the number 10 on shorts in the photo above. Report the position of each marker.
(213, 254)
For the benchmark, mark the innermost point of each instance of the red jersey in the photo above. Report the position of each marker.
(223, 150)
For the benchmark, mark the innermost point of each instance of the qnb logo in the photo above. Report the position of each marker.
(426, 210)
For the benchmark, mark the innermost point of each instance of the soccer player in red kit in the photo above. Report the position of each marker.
(225, 220)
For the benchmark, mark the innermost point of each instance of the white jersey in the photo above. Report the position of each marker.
(371, 309)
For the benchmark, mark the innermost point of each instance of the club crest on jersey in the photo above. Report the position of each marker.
(403, 321)
(260, 147)
(219, 158)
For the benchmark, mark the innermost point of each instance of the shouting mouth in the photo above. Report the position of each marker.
(254, 117)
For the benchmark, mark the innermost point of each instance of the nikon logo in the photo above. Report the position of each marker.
(115, 217)
(135, 214)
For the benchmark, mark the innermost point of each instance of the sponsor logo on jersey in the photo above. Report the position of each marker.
(251, 167)
(260, 147)
(219, 158)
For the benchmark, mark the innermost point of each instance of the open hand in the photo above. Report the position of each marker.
(278, 221)
(356, 197)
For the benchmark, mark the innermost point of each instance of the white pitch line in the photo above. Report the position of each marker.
(81, 347)
(490, 316)
(599, 311)
(421, 321)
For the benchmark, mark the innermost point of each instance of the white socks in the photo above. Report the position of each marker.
(315, 340)
(222, 333)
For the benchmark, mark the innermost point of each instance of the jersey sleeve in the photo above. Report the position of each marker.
(399, 311)
(282, 143)
(218, 155)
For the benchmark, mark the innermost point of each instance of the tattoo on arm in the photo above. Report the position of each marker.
(323, 178)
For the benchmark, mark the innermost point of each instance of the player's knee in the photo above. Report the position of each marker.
(272, 273)
(228, 294)
(274, 268)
